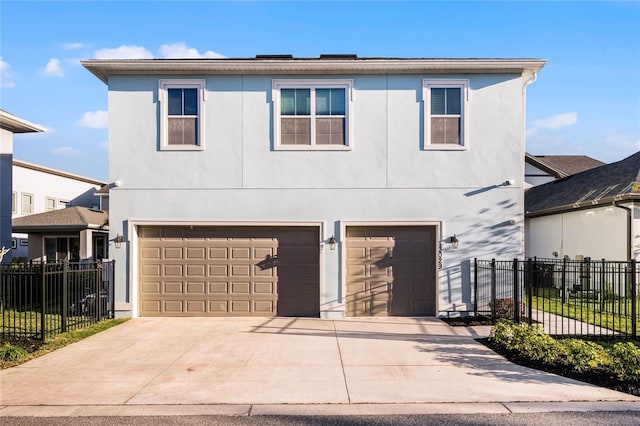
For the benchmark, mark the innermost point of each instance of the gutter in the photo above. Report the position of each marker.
(629, 222)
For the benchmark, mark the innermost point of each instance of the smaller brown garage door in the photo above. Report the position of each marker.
(229, 271)
(391, 271)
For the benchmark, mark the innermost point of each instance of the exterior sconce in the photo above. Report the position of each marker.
(118, 240)
(508, 182)
(332, 243)
(454, 241)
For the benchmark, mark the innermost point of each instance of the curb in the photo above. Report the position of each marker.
(314, 409)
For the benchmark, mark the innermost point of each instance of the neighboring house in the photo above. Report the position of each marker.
(589, 214)
(9, 125)
(541, 169)
(324, 187)
(39, 189)
(72, 233)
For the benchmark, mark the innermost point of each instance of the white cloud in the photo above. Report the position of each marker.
(66, 151)
(73, 46)
(182, 51)
(53, 68)
(6, 76)
(556, 121)
(94, 119)
(123, 52)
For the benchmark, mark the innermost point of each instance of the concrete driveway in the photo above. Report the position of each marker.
(148, 362)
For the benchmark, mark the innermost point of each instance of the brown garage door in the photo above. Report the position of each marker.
(391, 271)
(229, 271)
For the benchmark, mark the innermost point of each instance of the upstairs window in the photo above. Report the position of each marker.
(445, 106)
(27, 203)
(312, 114)
(14, 202)
(50, 204)
(181, 104)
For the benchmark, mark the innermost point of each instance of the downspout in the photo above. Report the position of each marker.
(530, 80)
(629, 211)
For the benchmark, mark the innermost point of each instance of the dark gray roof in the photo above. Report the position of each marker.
(69, 219)
(602, 185)
(563, 165)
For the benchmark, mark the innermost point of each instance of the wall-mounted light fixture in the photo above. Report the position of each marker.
(454, 241)
(118, 240)
(332, 243)
(508, 182)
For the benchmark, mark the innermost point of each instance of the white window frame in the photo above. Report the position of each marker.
(46, 204)
(436, 83)
(163, 87)
(346, 84)
(22, 204)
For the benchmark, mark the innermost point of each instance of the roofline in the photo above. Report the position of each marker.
(40, 229)
(544, 166)
(39, 168)
(607, 201)
(16, 124)
(104, 68)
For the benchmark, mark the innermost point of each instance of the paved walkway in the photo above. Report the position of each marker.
(288, 365)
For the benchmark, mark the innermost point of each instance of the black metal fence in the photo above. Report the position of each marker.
(567, 297)
(40, 300)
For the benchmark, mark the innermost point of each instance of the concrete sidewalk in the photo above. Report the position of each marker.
(281, 365)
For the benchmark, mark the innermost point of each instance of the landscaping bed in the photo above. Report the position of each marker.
(613, 364)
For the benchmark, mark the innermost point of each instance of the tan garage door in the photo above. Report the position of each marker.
(391, 271)
(229, 271)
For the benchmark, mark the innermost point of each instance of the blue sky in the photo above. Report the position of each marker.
(585, 101)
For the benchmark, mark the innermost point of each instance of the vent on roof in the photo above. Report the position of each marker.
(338, 56)
(274, 56)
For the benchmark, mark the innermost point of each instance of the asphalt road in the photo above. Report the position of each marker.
(543, 419)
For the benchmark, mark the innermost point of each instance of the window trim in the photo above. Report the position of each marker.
(46, 202)
(436, 83)
(163, 86)
(14, 202)
(278, 84)
(22, 203)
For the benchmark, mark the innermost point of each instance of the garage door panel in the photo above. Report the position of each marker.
(172, 270)
(218, 288)
(195, 288)
(196, 306)
(172, 288)
(151, 287)
(150, 270)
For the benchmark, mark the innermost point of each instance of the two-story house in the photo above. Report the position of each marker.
(38, 189)
(324, 187)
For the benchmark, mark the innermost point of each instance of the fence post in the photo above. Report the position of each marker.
(563, 280)
(43, 301)
(475, 286)
(493, 289)
(516, 292)
(65, 296)
(634, 302)
(529, 289)
(112, 288)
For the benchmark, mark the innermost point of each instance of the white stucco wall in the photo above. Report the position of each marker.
(599, 233)
(535, 176)
(386, 176)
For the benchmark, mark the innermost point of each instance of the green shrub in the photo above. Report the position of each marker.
(9, 352)
(621, 359)
(583, 355)
(529, 340)
(625, 361)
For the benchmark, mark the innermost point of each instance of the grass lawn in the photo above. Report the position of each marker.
(17, 351)
(616, 314)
